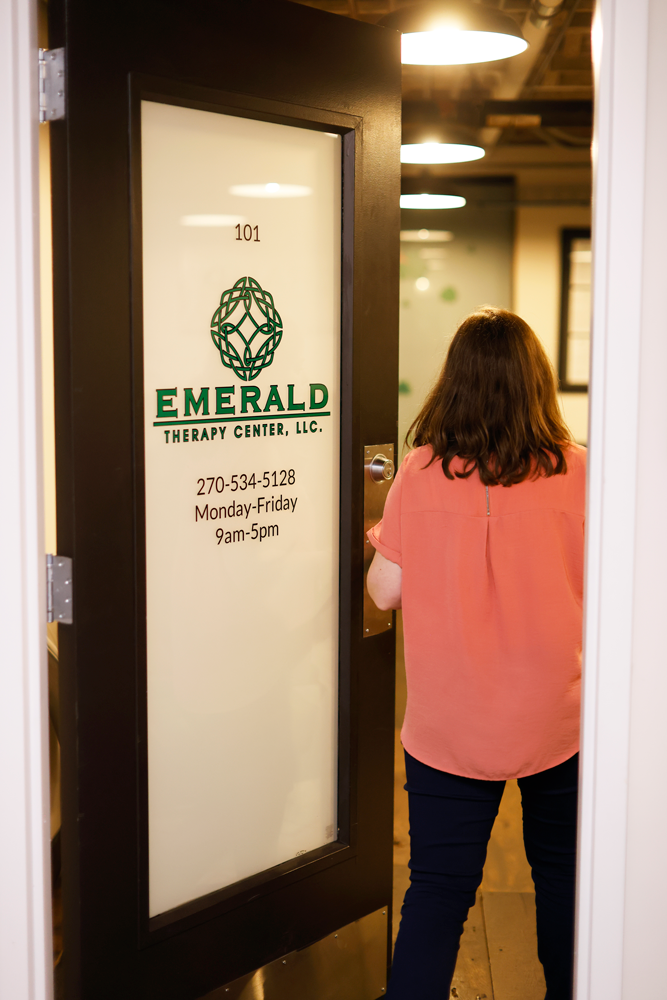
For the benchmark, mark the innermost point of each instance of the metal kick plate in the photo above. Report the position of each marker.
(375, 494)
(350, 964)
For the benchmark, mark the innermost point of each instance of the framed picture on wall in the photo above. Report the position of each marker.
(575, 310)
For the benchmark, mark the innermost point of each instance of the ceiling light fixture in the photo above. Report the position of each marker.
(455, 33)
(439, 142)
(432, 201)
(440, 152)
(427, 138)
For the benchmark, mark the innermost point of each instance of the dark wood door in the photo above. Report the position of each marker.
(257, 61)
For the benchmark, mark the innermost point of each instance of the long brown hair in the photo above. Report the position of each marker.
(494, 404)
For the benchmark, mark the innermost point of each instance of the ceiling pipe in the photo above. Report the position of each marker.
(540, 69)
(542, 14)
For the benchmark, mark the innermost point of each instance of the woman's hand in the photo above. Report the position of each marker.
(384, 582)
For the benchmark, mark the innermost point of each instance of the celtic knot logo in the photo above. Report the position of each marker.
(246, 328)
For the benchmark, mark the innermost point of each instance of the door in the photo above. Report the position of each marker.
(225, 207)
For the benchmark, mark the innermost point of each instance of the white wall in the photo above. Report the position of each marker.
(537, 288)
(46, 316)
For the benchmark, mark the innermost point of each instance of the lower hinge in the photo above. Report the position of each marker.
(59, 589)
(51, 84)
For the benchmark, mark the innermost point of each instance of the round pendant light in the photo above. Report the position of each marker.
(439, 143)
(432, 201)
(454, 33)
(439, 152)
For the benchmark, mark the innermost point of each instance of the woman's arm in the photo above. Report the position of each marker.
(384, 582)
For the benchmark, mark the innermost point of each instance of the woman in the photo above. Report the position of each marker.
(481, 543)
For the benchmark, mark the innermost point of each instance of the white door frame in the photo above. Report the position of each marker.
(25, 887)
(623, 862)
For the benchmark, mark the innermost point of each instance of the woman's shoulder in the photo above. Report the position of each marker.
(422, 467)
(573, 477)
(568, 488)
(575, 456)
(419, 460)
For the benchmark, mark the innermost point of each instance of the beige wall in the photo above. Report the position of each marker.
(49, 447)
(46, 292)
(536, 288)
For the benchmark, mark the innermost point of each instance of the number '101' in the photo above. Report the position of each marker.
(246, 233)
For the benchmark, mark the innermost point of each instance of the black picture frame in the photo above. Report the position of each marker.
(568, 236)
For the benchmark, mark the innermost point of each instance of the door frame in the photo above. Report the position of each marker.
(622, 874)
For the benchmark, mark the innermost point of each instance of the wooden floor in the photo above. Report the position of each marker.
(498, 956)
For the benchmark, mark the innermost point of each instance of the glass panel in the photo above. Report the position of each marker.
(579, 312)
(578, 361)
(241, 258)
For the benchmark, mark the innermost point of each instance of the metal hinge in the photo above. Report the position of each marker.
(59, 589)
(51, 84)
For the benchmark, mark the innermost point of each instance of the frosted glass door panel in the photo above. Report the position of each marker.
(241, 295)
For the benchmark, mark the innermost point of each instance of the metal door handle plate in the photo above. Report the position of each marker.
(378, 473)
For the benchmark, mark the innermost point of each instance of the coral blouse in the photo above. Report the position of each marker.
(492, 592)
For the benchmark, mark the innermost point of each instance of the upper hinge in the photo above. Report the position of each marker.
(59, 589)
(51, 84)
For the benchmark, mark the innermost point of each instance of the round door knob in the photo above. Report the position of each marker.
(381, 469)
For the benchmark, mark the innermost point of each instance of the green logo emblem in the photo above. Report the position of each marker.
(246, 328)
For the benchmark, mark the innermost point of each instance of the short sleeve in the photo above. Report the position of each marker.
(385, 536)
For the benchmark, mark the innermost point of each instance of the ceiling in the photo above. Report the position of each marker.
(548, 152)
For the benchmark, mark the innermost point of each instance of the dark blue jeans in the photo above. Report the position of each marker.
(450, 824)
